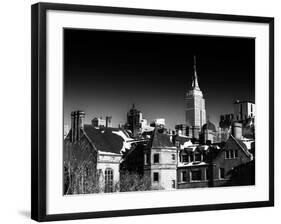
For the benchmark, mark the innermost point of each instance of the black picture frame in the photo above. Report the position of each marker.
(38, 115)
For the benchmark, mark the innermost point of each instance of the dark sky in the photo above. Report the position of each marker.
(105, 72)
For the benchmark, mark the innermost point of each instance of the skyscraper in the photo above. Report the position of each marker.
(195, 106)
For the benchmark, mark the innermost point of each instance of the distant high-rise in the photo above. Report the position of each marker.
(244, 110)
(195, 106)
(133, 124)
(98, 122)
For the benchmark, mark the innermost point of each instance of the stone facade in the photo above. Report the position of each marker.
(108, 162)
(161, 167)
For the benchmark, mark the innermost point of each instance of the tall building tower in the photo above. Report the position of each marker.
(195, 112)
(133, 124)
(244, 110)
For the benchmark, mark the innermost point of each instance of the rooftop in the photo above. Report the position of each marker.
(112, 140)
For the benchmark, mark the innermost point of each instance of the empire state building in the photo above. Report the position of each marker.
(195, 113)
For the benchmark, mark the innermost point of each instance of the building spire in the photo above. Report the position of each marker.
(195, 78)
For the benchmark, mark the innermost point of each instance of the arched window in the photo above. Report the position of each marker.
(108, 174)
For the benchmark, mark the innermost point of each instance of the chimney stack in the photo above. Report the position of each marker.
(77, 119)
(108, 122)
(237, 130)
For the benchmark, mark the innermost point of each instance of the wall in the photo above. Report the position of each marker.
(166, 167)
(15, 110)
(112, 162)
(228, 164)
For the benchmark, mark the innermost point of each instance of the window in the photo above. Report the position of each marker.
(231, 154)
(108, 180)
(173, 157)
(156, 158)
(184, 158)
(197, 157)
(236, 153)
(204, 157)
(221, 172)
(208, 174)
(183, 176)
(227, 154)
(196, 175)
(156, 177)
(173, 184)
(191, 158)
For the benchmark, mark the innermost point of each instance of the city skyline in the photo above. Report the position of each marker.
(105, 72)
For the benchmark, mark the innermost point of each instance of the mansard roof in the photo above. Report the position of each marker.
(160, 139)
(107, 139)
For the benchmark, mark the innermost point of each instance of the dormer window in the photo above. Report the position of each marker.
(184, 158)
(197, 157)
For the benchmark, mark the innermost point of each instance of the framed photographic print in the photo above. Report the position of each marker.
(138, 111)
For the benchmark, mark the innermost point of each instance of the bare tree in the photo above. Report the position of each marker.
(132, 181)
(83, 179)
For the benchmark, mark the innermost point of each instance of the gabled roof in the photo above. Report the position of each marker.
(160, 139)
(75, 155)
(106, 139)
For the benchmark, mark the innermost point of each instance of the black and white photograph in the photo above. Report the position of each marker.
(140, 112)
(148, 111)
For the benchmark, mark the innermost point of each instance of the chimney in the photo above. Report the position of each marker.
(108, 122)
(77, 118)
(237, 130)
